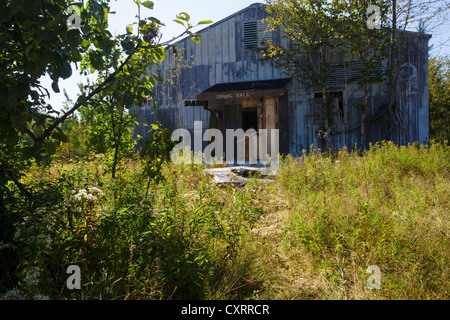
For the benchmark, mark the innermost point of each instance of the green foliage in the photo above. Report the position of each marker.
(37, 41)
(312, 233)
(156, 152)
(387, 208)
(331, 35)
(177, 242)
(439, 90)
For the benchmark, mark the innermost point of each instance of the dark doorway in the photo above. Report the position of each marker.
(250, 119)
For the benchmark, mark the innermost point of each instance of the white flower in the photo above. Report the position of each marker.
(13, 294)
(41, 296)
(96, 191)
(31, 278)
(90, 197)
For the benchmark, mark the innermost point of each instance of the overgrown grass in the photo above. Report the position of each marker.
(390, 208)
(310, 234)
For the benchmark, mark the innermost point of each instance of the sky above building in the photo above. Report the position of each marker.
(166, 11)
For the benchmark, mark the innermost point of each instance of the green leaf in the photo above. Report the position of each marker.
(66, 70)
(127, 45)
(129, 28)
(205, 22)
(50, 147)
(148, 4)
(159, 53)
(82, 100)
(179, 21)
(96, 60)
(184, 16)
(61, 136)
(55, 86)
(85, 44)
(128, 99)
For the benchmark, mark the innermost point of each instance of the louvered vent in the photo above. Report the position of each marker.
(352, 72)
(254, 33)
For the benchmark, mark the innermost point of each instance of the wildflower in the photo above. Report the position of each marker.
(13, 294)
(91, 197)
(41, 296)
(31, 278)
(95, 191)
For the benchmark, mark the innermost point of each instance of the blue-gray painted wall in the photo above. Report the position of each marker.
(221, 58)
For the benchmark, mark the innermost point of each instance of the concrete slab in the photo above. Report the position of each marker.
(236, 175)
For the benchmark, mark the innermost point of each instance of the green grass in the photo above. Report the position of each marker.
(311, 234)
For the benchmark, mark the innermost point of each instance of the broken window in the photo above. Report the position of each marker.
(190, 103)
(337, 112)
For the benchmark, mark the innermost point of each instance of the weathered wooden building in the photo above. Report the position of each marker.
(226, 84)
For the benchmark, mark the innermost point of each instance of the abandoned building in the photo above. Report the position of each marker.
(225, 83)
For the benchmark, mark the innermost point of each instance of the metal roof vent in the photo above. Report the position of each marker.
(254, 34)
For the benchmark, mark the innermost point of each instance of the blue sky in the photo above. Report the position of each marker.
(166, 11)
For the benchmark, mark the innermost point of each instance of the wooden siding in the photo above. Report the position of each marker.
(221, 58)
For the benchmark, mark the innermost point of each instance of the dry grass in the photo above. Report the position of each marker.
(310, 234)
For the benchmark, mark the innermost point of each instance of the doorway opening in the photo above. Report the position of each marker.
(250, 119)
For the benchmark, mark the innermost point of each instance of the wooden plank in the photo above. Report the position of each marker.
(269, 118)
(219, 73)
(226, 72)
(225, 42)
(238, 38)
(253, 67)
(197, 47)
(204, 48)
(211, 58)
(225, 52)
(250, 102)
(283, 123)
(218, 44)
(206, 116)
(239, 76)
(232, 49)
(218, 54)
(261, 70)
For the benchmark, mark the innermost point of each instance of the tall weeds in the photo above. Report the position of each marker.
(389, 207)
(310, 234)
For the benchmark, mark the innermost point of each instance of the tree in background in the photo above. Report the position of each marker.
(318, 29)
(439, 91)
(311, 27)
(365, 44)
(76, 134)
(109, 131)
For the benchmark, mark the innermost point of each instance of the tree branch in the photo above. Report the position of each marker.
(13, 177)
(78, 104)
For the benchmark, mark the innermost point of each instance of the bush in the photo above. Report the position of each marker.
(311, 233)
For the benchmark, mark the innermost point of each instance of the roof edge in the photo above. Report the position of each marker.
(214, 24)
